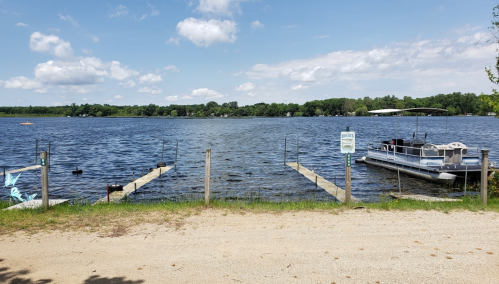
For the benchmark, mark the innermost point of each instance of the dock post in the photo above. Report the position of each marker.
(348, 178)
(162, 150)
(36, 151)
(285, 140)
(159, 172)
(398, 176)
(45, 180)
(465, 178)
(207, 178)
(48, 161)
(107, 189)
(4, 173)
(485, 172)
(176, 151)
(297, 153)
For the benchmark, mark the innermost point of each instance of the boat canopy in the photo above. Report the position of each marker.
(419, 109)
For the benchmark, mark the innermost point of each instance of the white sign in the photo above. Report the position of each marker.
(347, 142)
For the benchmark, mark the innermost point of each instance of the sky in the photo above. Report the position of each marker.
(56, 53)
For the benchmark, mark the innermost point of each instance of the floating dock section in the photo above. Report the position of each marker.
(35, 203)
(421, 197)
(21, 170)
(131, 187)
(331, 188)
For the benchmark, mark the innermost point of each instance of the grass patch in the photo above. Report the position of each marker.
(116, 218)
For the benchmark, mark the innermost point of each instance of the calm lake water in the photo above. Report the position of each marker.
(247, 154)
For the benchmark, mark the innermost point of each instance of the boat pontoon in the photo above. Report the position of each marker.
(440, 163)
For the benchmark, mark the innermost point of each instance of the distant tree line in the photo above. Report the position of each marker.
(455, 103)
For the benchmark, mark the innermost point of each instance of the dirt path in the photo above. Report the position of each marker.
(217, 246)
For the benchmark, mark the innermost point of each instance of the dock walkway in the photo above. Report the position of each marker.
(21, 170)
(328, 186)
(129, 188)
(421, 197)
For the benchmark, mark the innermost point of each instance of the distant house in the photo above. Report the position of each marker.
(491, 113)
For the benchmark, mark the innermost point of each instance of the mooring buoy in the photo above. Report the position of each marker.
(77, 172)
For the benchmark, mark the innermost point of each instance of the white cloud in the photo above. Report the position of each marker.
(141, 18)
(83, 71)
(19, 24)
(299, 87)
(154, 91)
(119, 11)
(205, 33)
(50, 43)
(256, 25)
(172, 98)
(86, 51)
(86, 71)
(69, 19)
(77, 89)
(398, 60)
(154, 11)
(246, 87)
(121, 73)
(321, 36)
(41, 91)
(118, 97)
(128, 84)
(219, 7)
(150, 78)
(175, 41)
(21, 82)
(94, 38)
(207, 93)
(172, 68)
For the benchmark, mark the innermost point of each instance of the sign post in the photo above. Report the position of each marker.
(348, 147)
(45, 180)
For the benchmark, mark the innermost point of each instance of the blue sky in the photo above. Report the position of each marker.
(192, 52)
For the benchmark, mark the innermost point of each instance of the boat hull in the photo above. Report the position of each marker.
(422, 173)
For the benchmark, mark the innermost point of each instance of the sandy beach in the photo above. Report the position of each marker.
(219, 246)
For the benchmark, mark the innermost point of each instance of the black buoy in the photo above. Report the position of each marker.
(77, 172)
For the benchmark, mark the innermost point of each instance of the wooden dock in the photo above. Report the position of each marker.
(328, 186)
(421, 197)
(35, 203)
(129, 188)
(21, 170)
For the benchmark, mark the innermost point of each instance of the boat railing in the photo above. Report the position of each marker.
(429, 155)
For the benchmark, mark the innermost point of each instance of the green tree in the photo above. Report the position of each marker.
(493, 100)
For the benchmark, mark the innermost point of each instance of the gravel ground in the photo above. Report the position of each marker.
(217, 246)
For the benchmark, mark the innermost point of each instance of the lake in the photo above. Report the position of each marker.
(247, 154)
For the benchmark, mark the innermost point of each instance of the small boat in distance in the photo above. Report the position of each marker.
(26, 123)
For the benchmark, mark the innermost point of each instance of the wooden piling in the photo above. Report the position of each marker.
(207, 178)
(285, 150)
(485, 172)
(48, 161)
(348, 182)
(36, 151)
(297, 151)
(107, 189)
(176, 152)
(45, 180)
